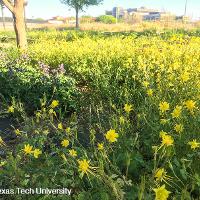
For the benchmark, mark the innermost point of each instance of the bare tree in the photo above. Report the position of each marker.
(16, 7)
(2, 13)
(79, 5)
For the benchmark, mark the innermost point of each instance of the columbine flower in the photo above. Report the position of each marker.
(178, 128)
(84, 166)
(161, 193)
(100, 146)
(27, 149)
(194, 144)
(65, 143)
(161, 175)
(167, 140)
(190, 105)
(11, 109)
(54, 104)
(128, 108)
(36, 153)
(111, 136)
(164, 106)
(145, 84)
(72, 153)
(17, 132)
(60, 126)
(176, 112)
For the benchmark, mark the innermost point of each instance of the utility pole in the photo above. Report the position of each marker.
(186, 1)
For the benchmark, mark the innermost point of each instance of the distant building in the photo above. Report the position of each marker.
(142, 13)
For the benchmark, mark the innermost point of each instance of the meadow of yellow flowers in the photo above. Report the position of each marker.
(112, 117)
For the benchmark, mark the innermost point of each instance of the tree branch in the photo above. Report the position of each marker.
(9, 5)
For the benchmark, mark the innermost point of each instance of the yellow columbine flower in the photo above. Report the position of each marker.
(11, 109)
(72, 153)
(60, 126)
(190, 105)
(161, 193)
(176, 112)
(36, 153)
(84, 166)
(111, 136)
(150, 92)
(162, 133)
(194, 144)
(46, 132)
(128, 108)
(164, 106)
(54, 104)
(17, 132)
(28, 149)
(178, 128)
(161, 175)
(167, 140)
(65, 143)
(100, 146)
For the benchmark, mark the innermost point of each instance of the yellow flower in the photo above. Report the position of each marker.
(185, 76)
(194, 144)
(72, 153)
(11, 109)
(128, 108)
(54, 104)
(162, 133)
(2, 143)
(121, 120)
(17, 132)
(190, 105)
(36, 153)
(150, 92)
(164, 106)
(52, 112)
(176, 112)
(161, 175)
(167, 140)
(84, 166)
(145, 83)
(27, 149)
(161, 193)
(178, 128)
(60, 126)
(65, 143)
(68, 129)
(100, 146)
(111, 136)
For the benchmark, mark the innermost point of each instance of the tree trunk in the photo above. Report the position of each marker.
(77, 19)
(16, 7)
(3, 19)
(19, 24)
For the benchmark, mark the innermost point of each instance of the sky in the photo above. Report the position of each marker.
(47, 9)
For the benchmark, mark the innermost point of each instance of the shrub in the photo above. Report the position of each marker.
(107, 19)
